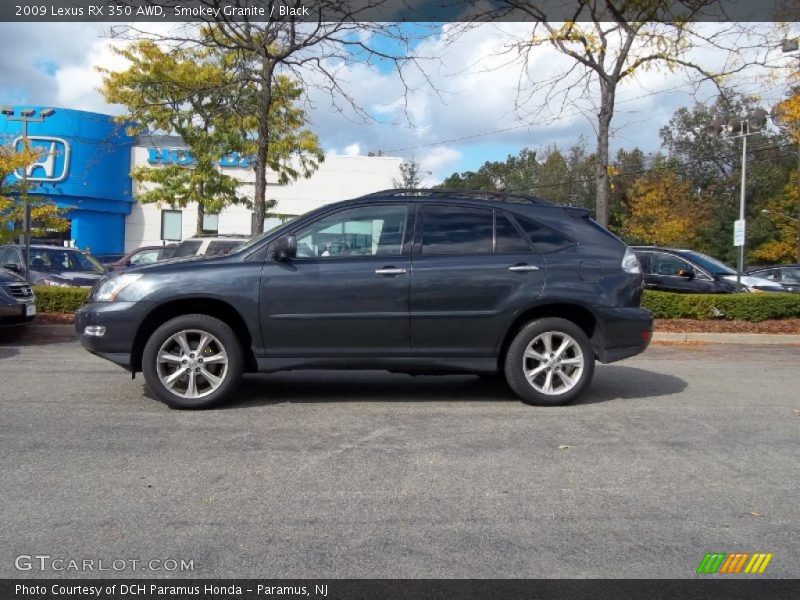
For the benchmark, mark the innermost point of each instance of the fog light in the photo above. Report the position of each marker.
(94, 331)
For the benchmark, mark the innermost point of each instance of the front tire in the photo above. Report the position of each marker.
(550, 362)
(193, 361)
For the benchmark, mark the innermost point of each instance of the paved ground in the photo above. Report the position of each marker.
(684, 450)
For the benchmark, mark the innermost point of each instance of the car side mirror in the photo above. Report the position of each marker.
(13, 267)
(284, 248)
(688, 273)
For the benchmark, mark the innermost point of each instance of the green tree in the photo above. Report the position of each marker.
(195, 92)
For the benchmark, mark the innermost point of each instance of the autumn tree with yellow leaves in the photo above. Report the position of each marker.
(45, 215)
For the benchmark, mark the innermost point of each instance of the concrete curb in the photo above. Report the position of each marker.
(727, 338)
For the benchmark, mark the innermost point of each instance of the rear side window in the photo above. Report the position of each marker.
(451, 230)
(188, 248)
(509, 240)
(543, 238)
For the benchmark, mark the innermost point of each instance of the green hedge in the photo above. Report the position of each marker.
(732, 307)
(51, 299)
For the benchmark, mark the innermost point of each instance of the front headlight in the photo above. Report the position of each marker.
(111, 289)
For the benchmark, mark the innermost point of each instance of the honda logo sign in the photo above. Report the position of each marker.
(52, 164)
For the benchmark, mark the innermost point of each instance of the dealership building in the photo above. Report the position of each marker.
(85, 164)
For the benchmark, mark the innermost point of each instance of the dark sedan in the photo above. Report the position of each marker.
(17, 304)
(787, 275)
(53, 265)
(676, 270)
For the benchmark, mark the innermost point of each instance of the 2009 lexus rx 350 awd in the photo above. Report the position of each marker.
(432, 281)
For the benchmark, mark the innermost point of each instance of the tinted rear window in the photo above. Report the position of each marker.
(543, 238)
(509, 239)
(449, 230)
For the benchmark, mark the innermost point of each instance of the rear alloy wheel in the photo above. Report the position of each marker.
(550, 361)
(193, 361)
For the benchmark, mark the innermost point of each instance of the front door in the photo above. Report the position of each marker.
(346, 292)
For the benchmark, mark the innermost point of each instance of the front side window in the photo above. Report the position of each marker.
(667, 264)
(455, 230)
(222, 247)
(361, 231)
(790, 275)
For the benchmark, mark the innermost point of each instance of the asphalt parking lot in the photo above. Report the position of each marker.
(684, 450)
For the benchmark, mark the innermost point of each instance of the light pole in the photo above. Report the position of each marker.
(26, 116)
(746, 126)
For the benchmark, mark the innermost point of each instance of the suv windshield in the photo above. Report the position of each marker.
(712, 265)
(63, 260)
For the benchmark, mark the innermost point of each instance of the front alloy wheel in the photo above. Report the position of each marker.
(550, 361)
(193, 361)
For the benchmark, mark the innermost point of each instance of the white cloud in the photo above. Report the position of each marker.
(352, 150)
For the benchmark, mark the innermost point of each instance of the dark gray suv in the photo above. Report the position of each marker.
(432, 281)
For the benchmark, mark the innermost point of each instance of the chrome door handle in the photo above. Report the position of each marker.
(523, 268)
(390, 271)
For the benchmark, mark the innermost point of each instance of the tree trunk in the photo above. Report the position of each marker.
(601, 175)
(201, 211)
(262, 153)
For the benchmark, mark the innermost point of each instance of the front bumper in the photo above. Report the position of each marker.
(121, 321)
(623, 332)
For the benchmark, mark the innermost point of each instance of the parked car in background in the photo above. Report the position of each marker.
(17, 302)
(209, 245)
(787, 275)
(675, 270)
(142, 256)
(53, 265)
(425, 281)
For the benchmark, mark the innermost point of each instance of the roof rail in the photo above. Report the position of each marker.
(494, 195)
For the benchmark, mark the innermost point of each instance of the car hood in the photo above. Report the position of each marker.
(7, 276)
(77, 278)
(751, 281)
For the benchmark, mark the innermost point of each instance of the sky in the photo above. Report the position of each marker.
(458, 109)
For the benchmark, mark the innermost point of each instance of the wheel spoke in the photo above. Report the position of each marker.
(166, 357)
(170, 381)
(566, 379)
(547, 340)
(548, 383)
(577, 360)
(183, 342)
(217, 358)
(531, 353)
(210, 377)
(191, 389)
(534, 372)
(204, 339)
(565, 343)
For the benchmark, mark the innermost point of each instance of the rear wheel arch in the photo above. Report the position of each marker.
(212, 307)
(576, 313)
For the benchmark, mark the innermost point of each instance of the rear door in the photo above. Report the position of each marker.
(472, 269)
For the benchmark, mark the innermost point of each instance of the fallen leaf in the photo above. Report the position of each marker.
(755, 514)
(564, 447)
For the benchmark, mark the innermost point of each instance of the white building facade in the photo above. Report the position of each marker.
(338, 178)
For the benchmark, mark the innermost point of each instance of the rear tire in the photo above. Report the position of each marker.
(193, 361)
(550, 362)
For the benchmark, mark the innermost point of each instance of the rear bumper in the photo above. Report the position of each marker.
(121, 321)
(624, 332)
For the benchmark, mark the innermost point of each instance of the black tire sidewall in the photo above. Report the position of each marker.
(215, 327)
(513, 363)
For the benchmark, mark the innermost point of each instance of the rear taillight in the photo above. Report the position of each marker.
(630, 264)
